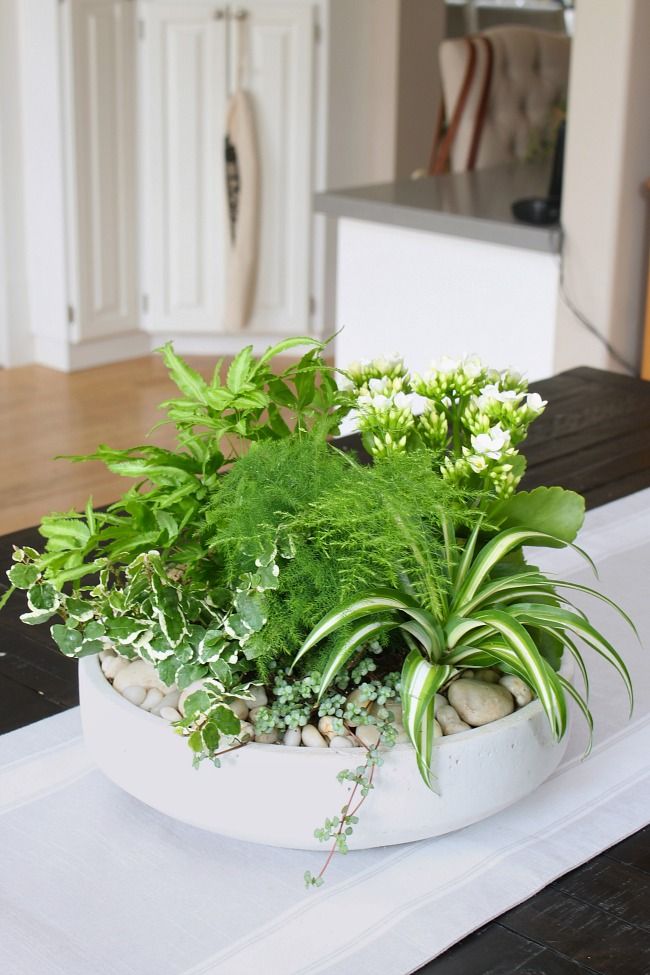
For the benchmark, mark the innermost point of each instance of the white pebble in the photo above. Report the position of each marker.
(111, 666)
(140, 673)
(169, 701)
(267, 737)
(356, 698)
(479, 703)
(259, 697)
(440, 701)
(450, 721)
(103, 654)
(292, 737)
(368, 735)
(152, 700)
(252, 714)
(134, 694)
(488, 675)
(312, 738)
(340, 741)
(328, 726)
(170, 714)
(239, 707)
(519, 690)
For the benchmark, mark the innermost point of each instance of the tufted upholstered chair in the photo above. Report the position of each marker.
(498, 88)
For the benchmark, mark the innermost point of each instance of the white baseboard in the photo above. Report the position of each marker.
(86, 355)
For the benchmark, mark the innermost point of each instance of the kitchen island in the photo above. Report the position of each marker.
(440, 266)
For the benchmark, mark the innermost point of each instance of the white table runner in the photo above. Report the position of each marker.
(94, 883)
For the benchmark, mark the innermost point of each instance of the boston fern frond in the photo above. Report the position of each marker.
(490, 620)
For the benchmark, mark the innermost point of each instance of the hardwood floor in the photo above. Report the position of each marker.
(46, 413)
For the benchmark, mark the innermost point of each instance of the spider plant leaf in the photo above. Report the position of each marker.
(458, 626)
(490, 556)
(467, 556)
(539, 674)
(364, 632)
(582, 704)
(466, 656)
(535, 614)
(419, 683)
(598, 595)
(380, 601)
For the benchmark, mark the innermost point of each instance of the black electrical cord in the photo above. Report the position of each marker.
(584, 321)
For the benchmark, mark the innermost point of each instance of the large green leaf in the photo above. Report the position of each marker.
(547, 509)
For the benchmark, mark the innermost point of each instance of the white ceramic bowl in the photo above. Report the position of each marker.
(278, 795)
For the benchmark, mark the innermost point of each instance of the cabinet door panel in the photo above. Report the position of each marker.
(279, 40)
(182, 179)
(98, 67)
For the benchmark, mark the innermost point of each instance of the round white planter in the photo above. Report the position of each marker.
(278, 795)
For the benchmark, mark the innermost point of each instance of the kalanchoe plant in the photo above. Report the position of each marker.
(220, 567)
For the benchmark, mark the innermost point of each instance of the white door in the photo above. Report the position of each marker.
(183, 89)
(278, 43)
(98, 70)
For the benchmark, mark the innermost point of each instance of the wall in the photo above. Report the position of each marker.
(607, 160)
(15, 338)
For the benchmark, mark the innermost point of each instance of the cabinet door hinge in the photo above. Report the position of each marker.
(71, 315)
(142, 30)
(145, 304)
(312, 305)
(318, 33)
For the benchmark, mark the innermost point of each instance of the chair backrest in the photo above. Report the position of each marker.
(499, 89)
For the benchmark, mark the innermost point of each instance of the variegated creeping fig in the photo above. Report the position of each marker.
(258, 583)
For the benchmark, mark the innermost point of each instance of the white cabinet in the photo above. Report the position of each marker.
(98, 72)
(188, 55)
(280, 46)
(182, 108)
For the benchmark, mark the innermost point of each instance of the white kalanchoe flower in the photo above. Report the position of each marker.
(444, 364)
(478, 463)
(344, 383)
(378, 385)
(535, 402)
(472, 366)
(492, 394)
(388, 364)
(493, 443)
(413, 402)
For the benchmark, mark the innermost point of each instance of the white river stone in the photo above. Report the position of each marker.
(312, 738)
(449, 720)
(239, 707)
(293, 737)
(259, 697)
(153, 699)
(140, 673)
(134, 694)
(329, 726)
(340, 741)
(169, 714)
(267, 737)
(479, 703)
(111, 666)
(519, 690)
(368, 735)
(170, 700)
(437, 730)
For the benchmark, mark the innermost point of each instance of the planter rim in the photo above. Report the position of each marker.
(94, 673)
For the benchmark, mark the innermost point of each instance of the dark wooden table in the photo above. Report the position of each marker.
(595, 438)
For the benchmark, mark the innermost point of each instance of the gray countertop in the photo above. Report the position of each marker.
(474, 205)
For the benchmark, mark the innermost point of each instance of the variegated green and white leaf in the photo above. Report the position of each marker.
(419, 683)
(363, 633)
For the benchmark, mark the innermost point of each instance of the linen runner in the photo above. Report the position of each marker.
(95, 883)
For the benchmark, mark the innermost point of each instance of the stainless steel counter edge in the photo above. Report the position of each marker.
(342, 204)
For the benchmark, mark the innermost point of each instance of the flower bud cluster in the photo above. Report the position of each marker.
(473, 415)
